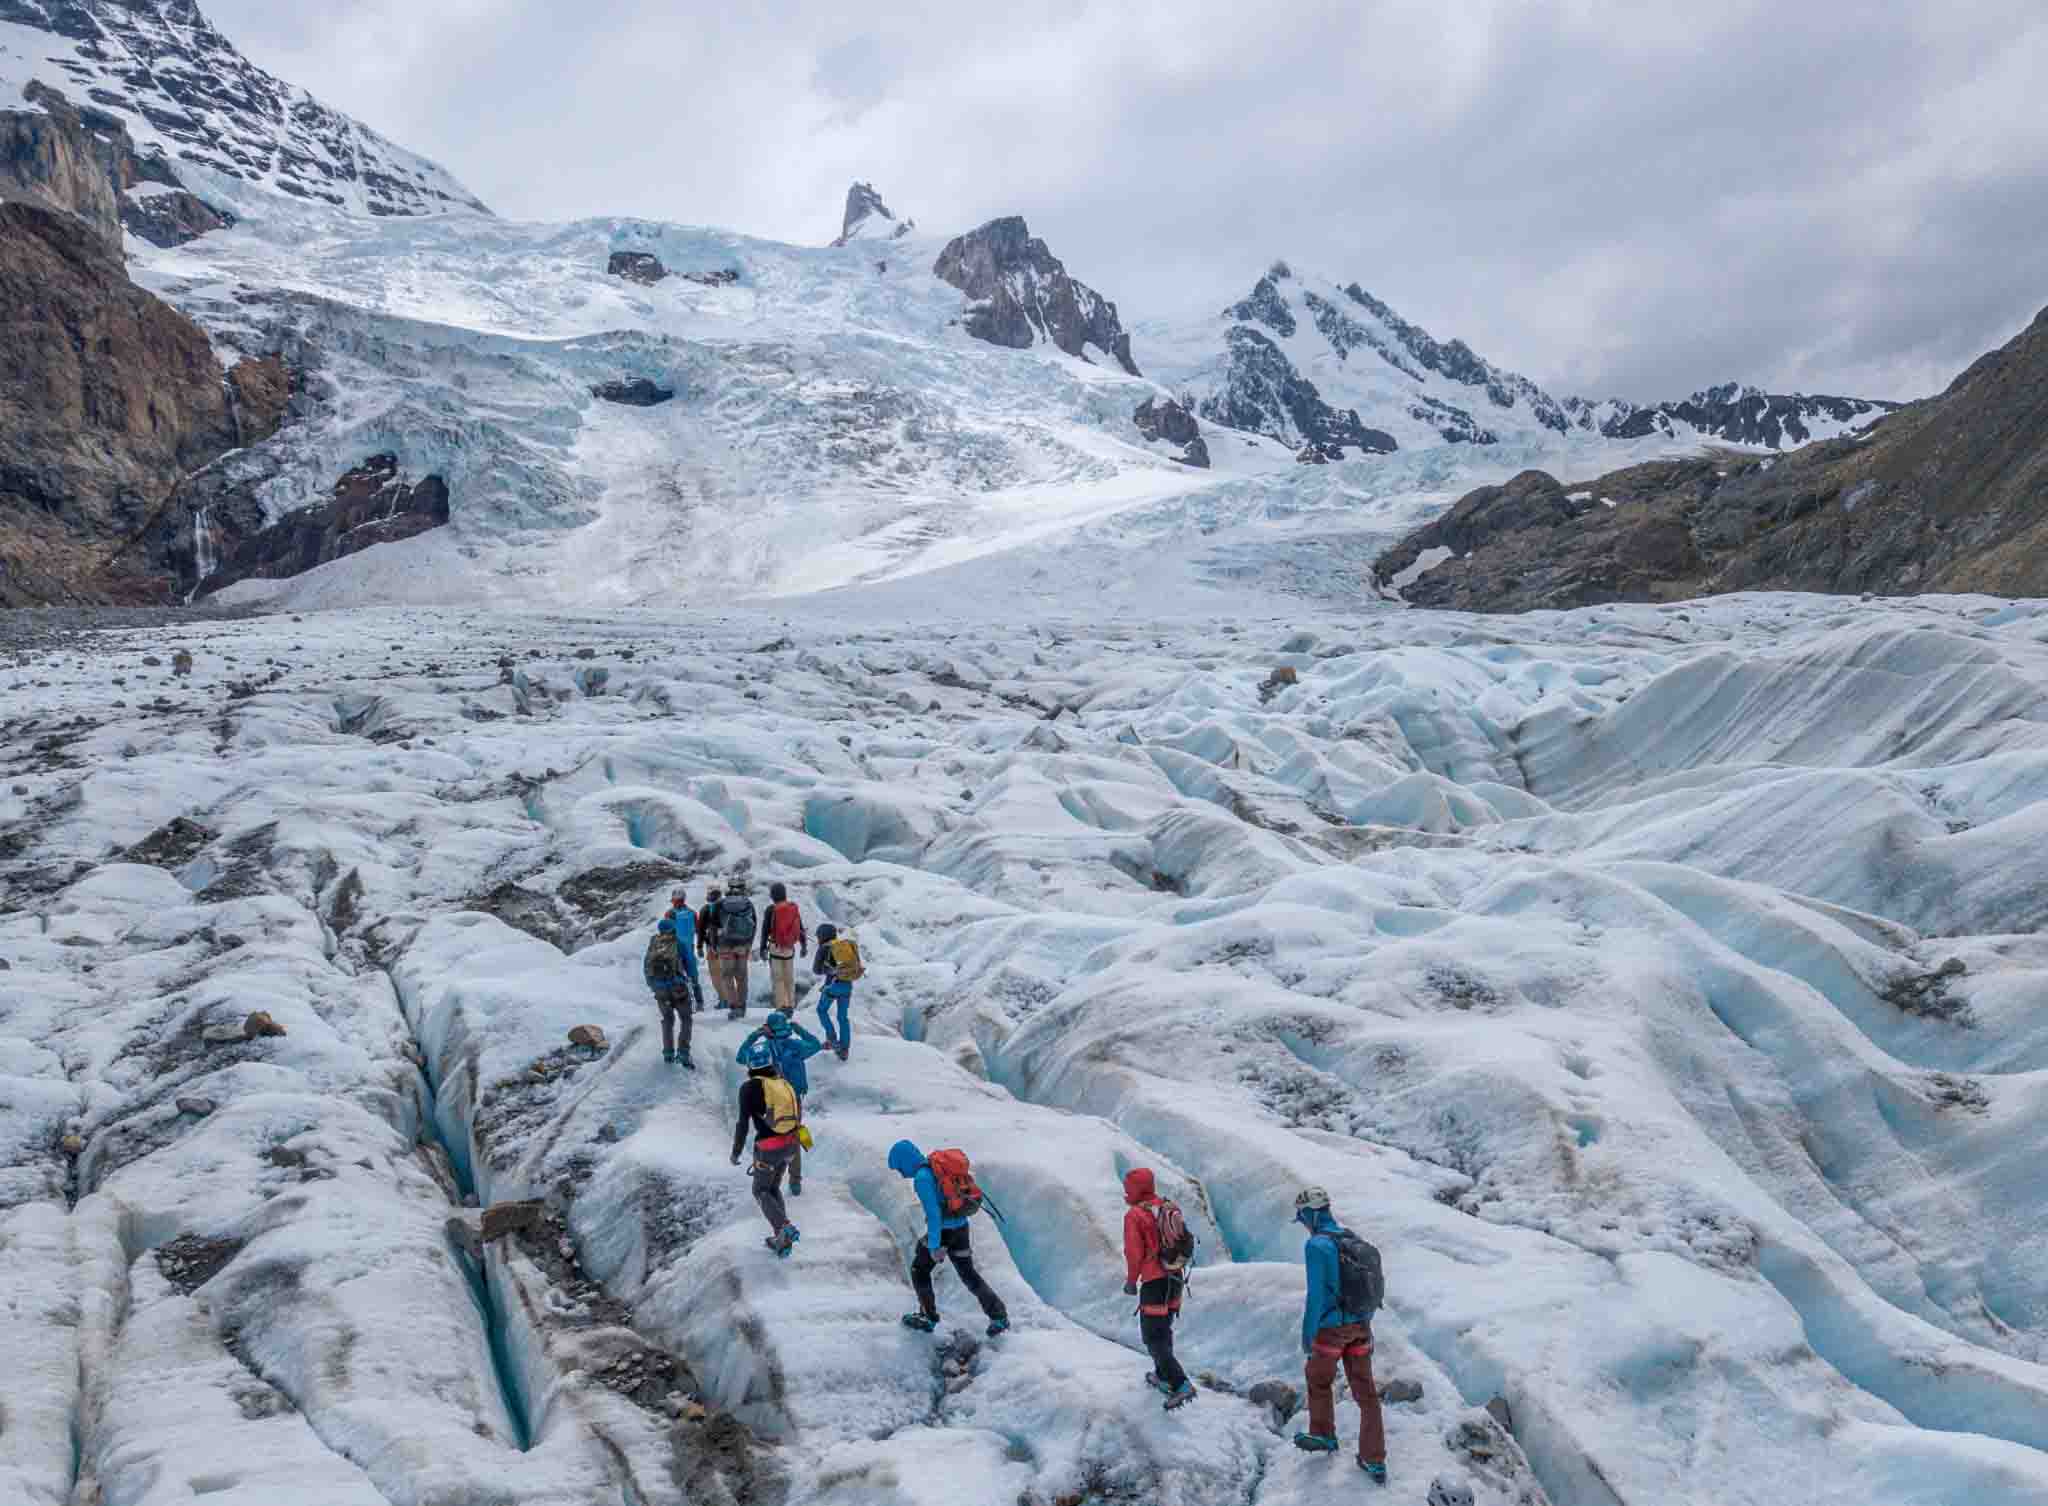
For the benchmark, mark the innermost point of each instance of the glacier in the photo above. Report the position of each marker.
(1660, 988)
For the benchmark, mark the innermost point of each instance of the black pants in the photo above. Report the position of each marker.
(1157, 1328)
(676, 1020)
(954, 1243)
(769, 1165)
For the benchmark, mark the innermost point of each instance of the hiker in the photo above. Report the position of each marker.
(1157, 1250)
(947, 1192)
(1345, 1288)
(732, 937)
(662, 967)
(771, 1106)
(782, 937)
(792, 1046)
(685, 918)
(838, 963)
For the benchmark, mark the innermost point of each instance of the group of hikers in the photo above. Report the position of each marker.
(1345, 1283)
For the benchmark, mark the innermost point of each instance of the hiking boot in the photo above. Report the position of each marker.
(1377, 1473)
(842, 1052)
(922, 1322)
(786, 1241)
(683, 1061)
(1180, 1396)
(1315, 1443)
(998, 1327)
(669, 1057)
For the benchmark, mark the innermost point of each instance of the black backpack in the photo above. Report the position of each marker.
(1361, 1284)
(736, 921)
(664, 961)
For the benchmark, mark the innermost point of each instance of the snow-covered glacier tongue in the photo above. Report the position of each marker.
(1659, 988)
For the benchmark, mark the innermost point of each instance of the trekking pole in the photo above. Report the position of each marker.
(990, 1204)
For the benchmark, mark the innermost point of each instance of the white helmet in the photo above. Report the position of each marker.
(1310, 1197)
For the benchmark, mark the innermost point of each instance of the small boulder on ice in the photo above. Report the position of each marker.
(1499, 1410)
(589, 1036)
(197, 1108)
(638, 393)
(637, 266)
(260, 1024)
(501, 1219)
(1281, 1399)
(1955, 967)
(1450, 1489)
(181, 662)
(1401, 1390)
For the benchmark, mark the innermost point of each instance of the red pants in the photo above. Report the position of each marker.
(1352, 1346)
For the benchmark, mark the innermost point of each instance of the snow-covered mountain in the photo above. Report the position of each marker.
(198, 109)
(868, 218)
(1333, 368)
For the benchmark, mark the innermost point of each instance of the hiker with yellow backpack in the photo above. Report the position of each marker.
(771, 1106)
(792, 1046)
(838, 963)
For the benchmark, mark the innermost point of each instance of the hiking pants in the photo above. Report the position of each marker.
(674, 1004)
(782, 974)
(769, 1165)
(1351, 1345)
(1156, 1328)
(729, 977)
(955, 1246)
(840, 994)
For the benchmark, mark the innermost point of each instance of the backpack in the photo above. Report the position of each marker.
(736, 921)
(664, 961)
(1176, 1239)
(785, 1110)
(1361, 1285)
(959, 1194)
(785, 926)
(842, 955)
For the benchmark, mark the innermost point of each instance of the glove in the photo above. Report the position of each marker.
(1130, 1288)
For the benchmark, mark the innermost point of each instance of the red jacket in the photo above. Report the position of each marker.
(1141, 1234)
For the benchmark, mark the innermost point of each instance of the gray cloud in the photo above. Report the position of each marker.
(1611, 197)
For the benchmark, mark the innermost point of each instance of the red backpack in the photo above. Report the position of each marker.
(1176, 1240)
(959, 1194)
(785, 926)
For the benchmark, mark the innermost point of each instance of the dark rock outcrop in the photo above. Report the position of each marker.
(638, 393)
(1263, 393)
(1950, 494)
(1020, 293)
(49, 159)
(1168, 421)
(261, 388)
(723, 277)
(170, 217)
(642, 267)
(867, 217)
(1744, 415)
(372, 504)
(108, 396)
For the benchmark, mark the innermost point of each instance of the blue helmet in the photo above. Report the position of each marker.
(778, 1025)
(666, 924)
(760, 1057)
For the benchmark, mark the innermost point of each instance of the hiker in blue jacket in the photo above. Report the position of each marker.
(685, 918)
(944, 1234)
(792, 1046)
(836, 994)
(1331, 1334)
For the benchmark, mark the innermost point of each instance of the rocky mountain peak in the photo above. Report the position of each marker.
(196, 108)
(868, 218)
(1020, 293)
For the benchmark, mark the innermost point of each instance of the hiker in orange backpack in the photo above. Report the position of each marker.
(782, 937)
(948, 1196)
(1158, 1249)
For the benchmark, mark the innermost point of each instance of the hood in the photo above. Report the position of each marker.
(1138, 1186)
(905, 1158)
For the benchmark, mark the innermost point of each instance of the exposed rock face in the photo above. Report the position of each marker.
(1741, 415)
(169, 217)
(637, 266)
(638, 393)
(1946, 495)
(49, 160)
(868, 218)
(1264, 394)
(373, 504)
(1170, 422)
(182, 91)
(1021, 293)
(108, 397)
(262, 388)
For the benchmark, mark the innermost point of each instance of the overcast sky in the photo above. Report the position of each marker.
(1614, 197)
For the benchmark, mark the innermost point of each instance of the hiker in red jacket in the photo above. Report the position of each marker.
(1157, 1249)
(782, 937)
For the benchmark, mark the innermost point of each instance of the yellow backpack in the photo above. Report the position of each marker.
(785, 1109)
(843, 957)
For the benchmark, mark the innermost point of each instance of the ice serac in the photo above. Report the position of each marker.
(199, 110)
(868, 218)
(1021, 294)
(1946, 495)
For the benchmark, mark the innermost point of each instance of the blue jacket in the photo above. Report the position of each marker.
(1325, 1308)
(906, 1160)
(791, 1052)
(684, 929)
(686, 932)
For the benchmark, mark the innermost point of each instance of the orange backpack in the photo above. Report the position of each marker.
(959, 1194)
